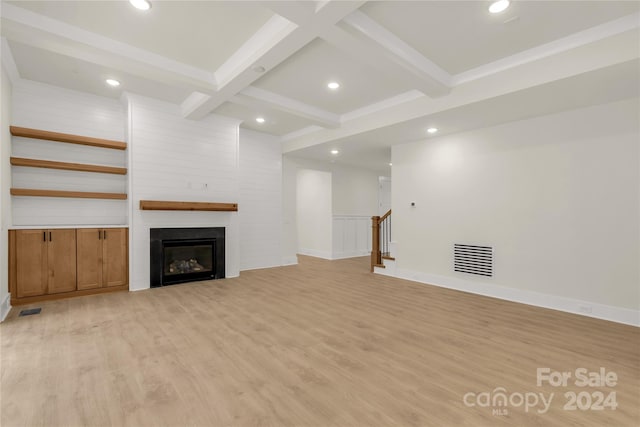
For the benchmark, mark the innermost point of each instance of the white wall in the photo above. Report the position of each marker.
(354, 199)
(45, 107)
(355, 191)
(5, 198)
(313, 201)
(556, 196)
(260, 208)
(289, 211)
(178, 159)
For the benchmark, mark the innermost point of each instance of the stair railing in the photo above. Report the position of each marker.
(380, 237)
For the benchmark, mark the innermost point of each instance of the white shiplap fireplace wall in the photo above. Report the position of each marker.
(172, 158)
(168, 158)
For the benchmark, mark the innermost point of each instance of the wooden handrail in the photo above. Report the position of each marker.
(159, 205)
(376, 253)
(66, 137)
(82, 167)
(72, 194)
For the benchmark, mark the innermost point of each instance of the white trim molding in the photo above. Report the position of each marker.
(289, 260)
(316, 253)
(554, 302)
(5, 307)
(352, 254)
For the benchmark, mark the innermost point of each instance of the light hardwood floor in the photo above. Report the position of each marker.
(319, 344)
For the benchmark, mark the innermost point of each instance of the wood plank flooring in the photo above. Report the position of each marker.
(324, 343)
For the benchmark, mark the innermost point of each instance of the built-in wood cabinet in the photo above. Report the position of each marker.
(45, 262)
(31, 266)
(102, 257)
(61, 261)
(115, 261)
(54, 263)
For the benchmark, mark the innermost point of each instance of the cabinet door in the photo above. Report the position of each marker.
(62, 260)
(31, 262)
(115, 269)
(89, 243)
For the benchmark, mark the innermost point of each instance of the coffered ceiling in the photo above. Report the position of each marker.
(401, 66)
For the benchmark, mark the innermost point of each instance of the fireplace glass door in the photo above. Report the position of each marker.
(188, 260)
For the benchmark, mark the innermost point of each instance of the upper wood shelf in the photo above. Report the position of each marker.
(72, 194)
(159, 205)
(35, 163)
(65, 137)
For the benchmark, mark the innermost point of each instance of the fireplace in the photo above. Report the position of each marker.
(180, 255)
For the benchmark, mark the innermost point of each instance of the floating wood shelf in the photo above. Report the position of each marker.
(65, 137)
(159, 205)
(72, 194)
(35, 163)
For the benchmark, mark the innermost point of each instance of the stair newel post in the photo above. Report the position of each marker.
(376, 255)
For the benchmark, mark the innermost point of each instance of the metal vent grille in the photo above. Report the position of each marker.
(473, 259)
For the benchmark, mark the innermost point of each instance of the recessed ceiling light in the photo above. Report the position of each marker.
(333, 85)
(141, 4)
(334, 152)
(260, 119)
(498, 6)
(113, 82)
(390, 164)
(432, 130)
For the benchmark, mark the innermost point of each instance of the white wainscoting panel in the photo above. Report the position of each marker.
(351, 236)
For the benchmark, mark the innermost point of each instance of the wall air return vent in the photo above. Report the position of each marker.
(473, 259)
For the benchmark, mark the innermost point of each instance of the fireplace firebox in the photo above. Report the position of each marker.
(180, 255)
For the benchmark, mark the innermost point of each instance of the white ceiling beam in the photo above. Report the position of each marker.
(603, 53)
(370, 53)
(392, 102)
(581, 38)
(193, 102)
(42, 32)
(244, 59)
(283, 39)
(9, 63)
(370, 43)
(400, 52)
(259, 98)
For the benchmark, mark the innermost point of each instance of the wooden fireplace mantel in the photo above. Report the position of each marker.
(163, 205)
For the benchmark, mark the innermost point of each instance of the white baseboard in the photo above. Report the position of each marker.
(569, 305)
(315, 253)
(290, 260)
(5, 307)
(354, 254)
(258, 267)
